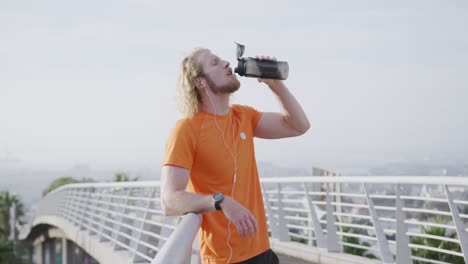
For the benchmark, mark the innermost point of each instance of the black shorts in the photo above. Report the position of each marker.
(267, 257)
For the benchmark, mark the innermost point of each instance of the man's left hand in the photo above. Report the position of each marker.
(272, 83)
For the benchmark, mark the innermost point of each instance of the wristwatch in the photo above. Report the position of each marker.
(217, 199)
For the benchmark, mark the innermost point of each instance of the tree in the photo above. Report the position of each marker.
(436, 243)
(63, 181)
(57, 183)
(123, 177)
(7, 248)
(355, 240)
(7, 201)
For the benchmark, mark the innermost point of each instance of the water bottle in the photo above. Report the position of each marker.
(267, 69)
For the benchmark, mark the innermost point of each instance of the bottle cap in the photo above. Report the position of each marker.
(240, 50)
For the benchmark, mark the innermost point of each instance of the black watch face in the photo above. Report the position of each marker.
(218, 196)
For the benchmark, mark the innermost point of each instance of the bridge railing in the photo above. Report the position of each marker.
(126, 215)
(394, 219)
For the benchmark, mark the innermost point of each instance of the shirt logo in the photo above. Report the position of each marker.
(243, 136)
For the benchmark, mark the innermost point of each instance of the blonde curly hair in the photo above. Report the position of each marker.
(188, 95)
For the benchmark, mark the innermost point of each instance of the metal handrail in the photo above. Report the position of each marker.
(429, 180)
(182, 238)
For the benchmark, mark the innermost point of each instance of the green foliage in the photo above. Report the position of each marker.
(7, 201)
(436, 243)
(299, 239)
(63, 181)
(123, 177)
(11, 254)
(57, 183)
(6, 252)
(7, 248)
(355, 240)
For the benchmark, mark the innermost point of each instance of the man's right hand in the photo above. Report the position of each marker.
(239, 216)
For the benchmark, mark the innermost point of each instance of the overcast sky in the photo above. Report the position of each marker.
(93, 82)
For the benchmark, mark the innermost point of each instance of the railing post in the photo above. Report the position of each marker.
(332, 235)
(459, 225)
(105, 215)
(403, 254)
(283, 229)
(93, 213)
(339, 210)
(387, 256)
(271, 216)
(84, 210)
(321, 242)
(116, 235)
(139, 229)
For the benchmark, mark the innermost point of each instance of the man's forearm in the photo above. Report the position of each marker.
(183, 202)
(294, 115)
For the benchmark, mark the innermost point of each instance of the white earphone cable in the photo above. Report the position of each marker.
(234, 157)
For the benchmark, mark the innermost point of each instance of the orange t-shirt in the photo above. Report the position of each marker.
(197, 144)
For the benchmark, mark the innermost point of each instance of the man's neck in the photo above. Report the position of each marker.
(216, 104)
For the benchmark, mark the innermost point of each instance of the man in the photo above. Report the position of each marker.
(211, 152)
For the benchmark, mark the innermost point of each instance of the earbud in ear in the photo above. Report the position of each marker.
(201, 83)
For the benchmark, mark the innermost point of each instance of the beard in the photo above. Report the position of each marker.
(228, 88)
